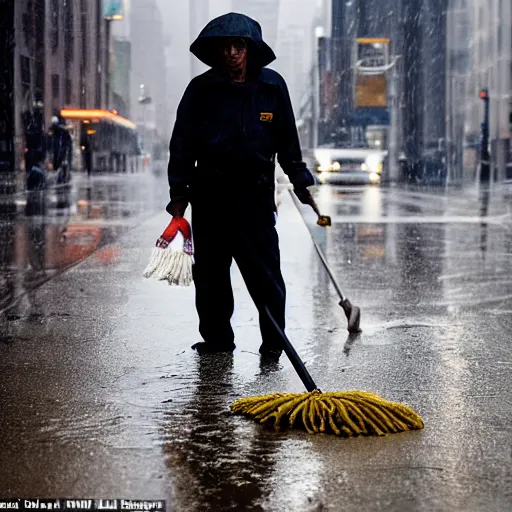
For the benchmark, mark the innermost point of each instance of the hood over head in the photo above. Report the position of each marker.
(233, 25)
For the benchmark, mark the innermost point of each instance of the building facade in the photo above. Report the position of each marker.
(413, 37)
(59, 60)
(460, 149)
(121, 76)
(479, 57)
(148, 69)
(290, 61)
(199, 16)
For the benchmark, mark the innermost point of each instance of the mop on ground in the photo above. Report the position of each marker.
(344, 413)
(172, 258)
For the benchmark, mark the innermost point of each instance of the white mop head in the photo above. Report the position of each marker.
(171, 261)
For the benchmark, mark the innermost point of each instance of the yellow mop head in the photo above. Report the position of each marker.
(347, 413)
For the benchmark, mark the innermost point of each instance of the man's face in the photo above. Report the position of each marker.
(233, 53)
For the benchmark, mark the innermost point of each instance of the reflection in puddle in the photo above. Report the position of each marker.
(67, 224)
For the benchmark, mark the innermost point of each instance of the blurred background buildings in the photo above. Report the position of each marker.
(400, 75)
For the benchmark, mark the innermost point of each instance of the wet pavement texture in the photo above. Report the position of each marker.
(45, 233)
(101, 395)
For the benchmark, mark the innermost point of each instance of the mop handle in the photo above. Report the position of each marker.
(294, 358)
(329, 271)
(323, 259)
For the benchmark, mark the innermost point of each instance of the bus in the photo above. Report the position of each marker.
(103, 141)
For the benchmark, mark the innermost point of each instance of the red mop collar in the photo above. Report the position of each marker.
(177, 224)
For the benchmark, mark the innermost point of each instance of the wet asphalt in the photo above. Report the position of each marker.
(101, 395)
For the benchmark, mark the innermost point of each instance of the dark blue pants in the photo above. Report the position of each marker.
(252, 241)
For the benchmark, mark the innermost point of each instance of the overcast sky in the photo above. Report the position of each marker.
(176, 18)
(293, 15)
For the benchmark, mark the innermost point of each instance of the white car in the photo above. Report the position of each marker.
(349, 166)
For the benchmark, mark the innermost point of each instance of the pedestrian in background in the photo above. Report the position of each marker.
(85, 143)
(36, 185)
(61, 143)
(231, 124)
(35, 139)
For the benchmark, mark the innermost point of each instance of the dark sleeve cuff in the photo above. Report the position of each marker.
(302, 179)
(168, 208)
(178, 192)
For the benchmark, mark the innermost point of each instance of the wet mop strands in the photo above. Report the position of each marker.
(345, 413)
(172, 258)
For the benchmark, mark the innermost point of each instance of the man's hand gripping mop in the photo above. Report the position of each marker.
(172, 258)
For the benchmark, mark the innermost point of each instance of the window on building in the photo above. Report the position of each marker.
(54, 31)
(40, 75)
(85, 32)
(27, 23)
(99, 59)
(69, 92)
(39, 23)
(25, 69)
(55, 87)
(68, 30)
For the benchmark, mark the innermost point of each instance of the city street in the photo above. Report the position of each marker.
(102, 397)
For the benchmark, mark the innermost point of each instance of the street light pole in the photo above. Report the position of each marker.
(485, 164)
(393, 129)
(143, 100)
(107, 60)
(112, 11)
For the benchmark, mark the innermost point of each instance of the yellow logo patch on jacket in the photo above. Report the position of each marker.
(266, 117)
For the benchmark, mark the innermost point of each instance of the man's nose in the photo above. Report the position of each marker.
(232, 50)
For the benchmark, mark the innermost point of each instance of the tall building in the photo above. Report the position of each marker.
(59, 59)
(351, 21)
(120, 63)
(290, 61)
(7, 80)
(458, 50)
(485, 63)
(265, 12)
(148, 68)
(121, 76)
(413, 35)
(423, 80)
(199, 16)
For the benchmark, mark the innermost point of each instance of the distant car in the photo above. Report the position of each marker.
(360, 166)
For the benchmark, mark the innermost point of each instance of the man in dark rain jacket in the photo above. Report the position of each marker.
(231, 123)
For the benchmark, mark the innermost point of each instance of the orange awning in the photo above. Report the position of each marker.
(88, 114)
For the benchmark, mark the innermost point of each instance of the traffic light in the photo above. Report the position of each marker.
(484, 95)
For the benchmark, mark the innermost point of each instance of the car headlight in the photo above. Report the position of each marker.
(373, 163)
(374, 178)
(328, 167)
